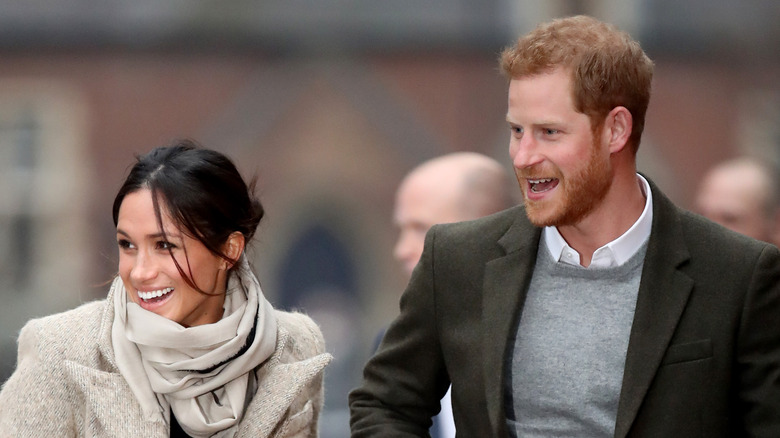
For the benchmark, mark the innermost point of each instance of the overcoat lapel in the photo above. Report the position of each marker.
(504, 289)
(110, 409)
(278, 385)
(663, 294)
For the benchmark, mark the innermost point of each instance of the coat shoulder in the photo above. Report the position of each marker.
(64, 335)
(711, 241)
(304, 337)
(704, 242)
(485, 229)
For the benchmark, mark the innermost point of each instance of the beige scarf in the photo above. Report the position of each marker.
(202, 373)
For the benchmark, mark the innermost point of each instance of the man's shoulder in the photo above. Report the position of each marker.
(496, 223)
(711, 238)
(675, 227)
(489, 236)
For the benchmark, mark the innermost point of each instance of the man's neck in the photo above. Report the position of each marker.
(617, 212)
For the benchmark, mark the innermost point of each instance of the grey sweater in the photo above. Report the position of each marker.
(570, 348)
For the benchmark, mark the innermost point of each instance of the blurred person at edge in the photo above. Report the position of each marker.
(451, 188)
(455, 187)
(185, 344)
(596, 309)
(742, 194)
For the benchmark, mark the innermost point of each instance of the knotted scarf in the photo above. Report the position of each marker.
(202, 373)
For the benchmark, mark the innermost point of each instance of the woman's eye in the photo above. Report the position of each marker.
(124, 244)
(165, 245)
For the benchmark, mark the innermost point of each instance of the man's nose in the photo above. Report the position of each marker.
(525, 152)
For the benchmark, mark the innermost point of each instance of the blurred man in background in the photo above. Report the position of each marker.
(742, 194)
(452, 188)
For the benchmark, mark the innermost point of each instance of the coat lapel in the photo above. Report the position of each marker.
(109, 405)
(663, 294)
(279, 384)
(505, 285)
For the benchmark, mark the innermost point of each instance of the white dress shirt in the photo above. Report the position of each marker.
(614, 253)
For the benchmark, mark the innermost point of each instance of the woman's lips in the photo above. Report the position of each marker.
(152, 299)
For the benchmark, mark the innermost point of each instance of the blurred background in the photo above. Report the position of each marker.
(329, 103)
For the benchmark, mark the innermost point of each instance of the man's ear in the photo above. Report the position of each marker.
(234, 247)
(617, 128)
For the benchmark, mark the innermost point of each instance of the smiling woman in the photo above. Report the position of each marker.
(185, 339)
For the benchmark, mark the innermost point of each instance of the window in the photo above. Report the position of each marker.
(44, 176)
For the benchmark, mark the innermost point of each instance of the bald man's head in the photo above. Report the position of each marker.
(451, 188)
(741, 194)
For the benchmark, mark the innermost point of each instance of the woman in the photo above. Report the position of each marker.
(185, 344)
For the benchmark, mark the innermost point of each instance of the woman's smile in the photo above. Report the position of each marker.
(153, 299)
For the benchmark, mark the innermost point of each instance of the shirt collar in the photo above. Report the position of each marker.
(614, 253)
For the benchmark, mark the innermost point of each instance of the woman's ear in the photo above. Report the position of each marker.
(234, 247)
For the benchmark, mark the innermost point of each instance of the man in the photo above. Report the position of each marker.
(742, 194)
(455, 187)
(452, 188)
(599, 308)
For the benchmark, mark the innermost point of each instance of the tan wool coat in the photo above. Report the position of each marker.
(67, 383)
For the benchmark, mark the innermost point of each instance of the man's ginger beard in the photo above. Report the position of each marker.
(581, 192)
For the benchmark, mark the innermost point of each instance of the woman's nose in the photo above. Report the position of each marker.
(144, 269)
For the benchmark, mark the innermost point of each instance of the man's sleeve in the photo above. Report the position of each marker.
(404, 381)
(758, 350)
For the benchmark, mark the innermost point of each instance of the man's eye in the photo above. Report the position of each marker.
(550, 131)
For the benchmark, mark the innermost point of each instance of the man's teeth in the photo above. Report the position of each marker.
(541, 185)
(154, 294)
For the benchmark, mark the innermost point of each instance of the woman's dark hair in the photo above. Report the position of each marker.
(201, 190)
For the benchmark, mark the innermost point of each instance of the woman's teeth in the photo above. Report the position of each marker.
(154, 294)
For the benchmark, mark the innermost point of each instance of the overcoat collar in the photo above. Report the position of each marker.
(663, 293)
